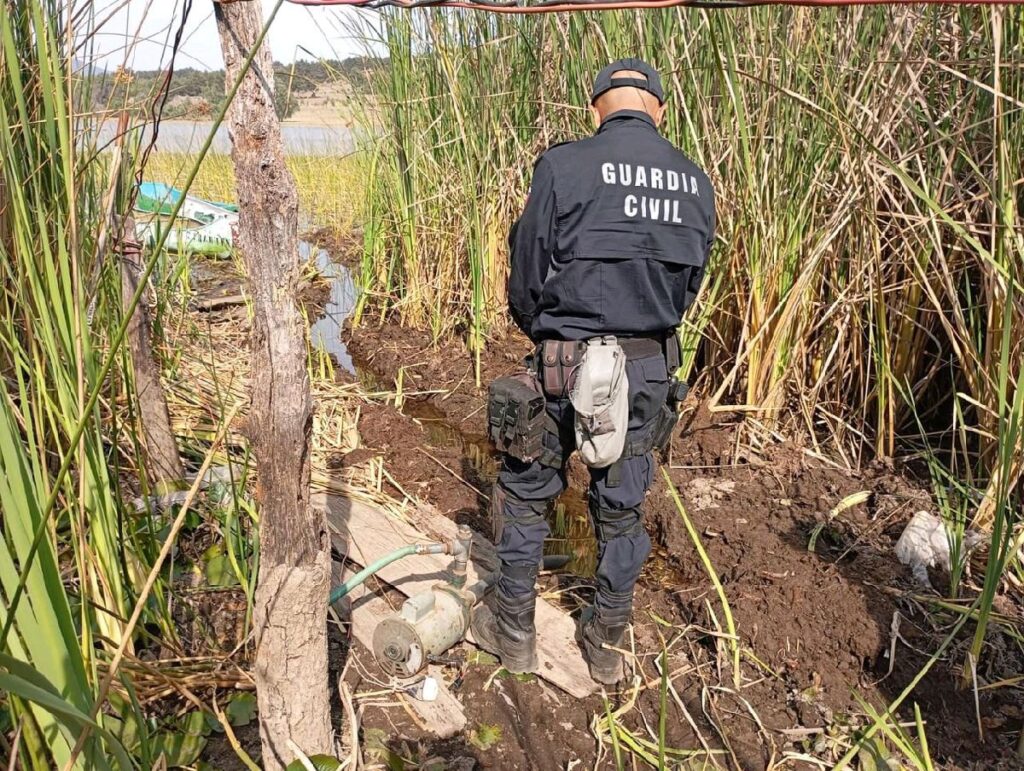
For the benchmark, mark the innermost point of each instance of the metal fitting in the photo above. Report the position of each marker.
(460, 549)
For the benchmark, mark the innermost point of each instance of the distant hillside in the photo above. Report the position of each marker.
(322, 91)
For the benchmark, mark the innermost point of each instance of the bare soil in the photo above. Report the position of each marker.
(820, 623)
(823, 628)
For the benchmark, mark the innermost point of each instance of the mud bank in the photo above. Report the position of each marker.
(820, 626)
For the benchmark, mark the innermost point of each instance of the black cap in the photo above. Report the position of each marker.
(650, 83)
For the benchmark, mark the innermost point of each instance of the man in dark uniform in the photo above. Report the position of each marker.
(613, 241)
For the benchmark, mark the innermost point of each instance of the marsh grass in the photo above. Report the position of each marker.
(61, 301)
(869, 212)
(864, 290)
(330, 187)
(865, 287)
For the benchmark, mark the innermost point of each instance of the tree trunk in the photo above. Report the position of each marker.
(163, 464)
(291, 596)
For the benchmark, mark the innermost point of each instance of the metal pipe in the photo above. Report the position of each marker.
(461, 547)
(479, 588)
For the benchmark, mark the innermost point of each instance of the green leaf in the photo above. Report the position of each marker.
(241, 709)
(485, 736)
(872, 756)
(183, 747)
(375, 746)
(659, 620)
(481, 657)
(320, 763)
(126, 729)
(193, 519)
(522, 677)
(218, 567)
(213, 723)
(73, 718)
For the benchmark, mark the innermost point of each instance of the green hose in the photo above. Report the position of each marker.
(383, 562)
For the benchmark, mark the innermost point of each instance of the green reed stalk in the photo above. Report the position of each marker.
(730, 625)
(58, 494)
(867, 180)
(49, 216)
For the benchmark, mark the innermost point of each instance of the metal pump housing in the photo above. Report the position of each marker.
(429, 623)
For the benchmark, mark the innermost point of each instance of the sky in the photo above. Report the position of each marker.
(298, 32)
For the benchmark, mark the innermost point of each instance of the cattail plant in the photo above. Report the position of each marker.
(866, 277)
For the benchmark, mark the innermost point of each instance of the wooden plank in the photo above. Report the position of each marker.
(364, 610)
(365, 534)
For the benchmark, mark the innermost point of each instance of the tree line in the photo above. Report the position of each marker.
(196, 93)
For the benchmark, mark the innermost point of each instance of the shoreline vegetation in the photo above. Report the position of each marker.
(306, 89)
(865, 287)
(857, 355)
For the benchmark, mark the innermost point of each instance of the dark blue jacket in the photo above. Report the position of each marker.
(614, 236)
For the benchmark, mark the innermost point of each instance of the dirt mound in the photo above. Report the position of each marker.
(818, 624)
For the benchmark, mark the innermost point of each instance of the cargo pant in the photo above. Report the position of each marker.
(524, 491)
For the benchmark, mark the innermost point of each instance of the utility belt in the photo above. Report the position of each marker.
(557, 362)
(517, 416)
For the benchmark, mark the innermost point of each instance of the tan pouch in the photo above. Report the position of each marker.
(600, 396)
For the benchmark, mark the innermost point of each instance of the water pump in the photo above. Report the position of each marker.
(431, 622)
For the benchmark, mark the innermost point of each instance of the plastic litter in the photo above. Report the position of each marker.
(925, 544)
(424, 690)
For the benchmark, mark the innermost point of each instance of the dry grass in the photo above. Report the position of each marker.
(330, 188)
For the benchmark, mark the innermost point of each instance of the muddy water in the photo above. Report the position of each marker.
(325, 332)
(571, 531)
(220, 278)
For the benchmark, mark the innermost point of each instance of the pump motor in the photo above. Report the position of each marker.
(428, 624)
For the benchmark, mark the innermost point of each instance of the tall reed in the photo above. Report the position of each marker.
(53, 199)
(864, 290)
(73, 552)
(864, 161)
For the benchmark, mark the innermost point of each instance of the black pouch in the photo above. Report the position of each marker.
(664, 425)
(516, 417)
(677, 391)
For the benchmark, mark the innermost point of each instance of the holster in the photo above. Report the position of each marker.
(664, 424)
(516, 416)
(657, 434)
(677, 389)
(559, 364)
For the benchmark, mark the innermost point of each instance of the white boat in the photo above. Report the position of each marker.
(158, 198)
(214, 240)
(202, 227)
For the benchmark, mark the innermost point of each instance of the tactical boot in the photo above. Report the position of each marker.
(598, 628)
(504, 626)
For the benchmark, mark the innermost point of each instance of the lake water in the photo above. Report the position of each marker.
(326, 331)
(177, 136)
